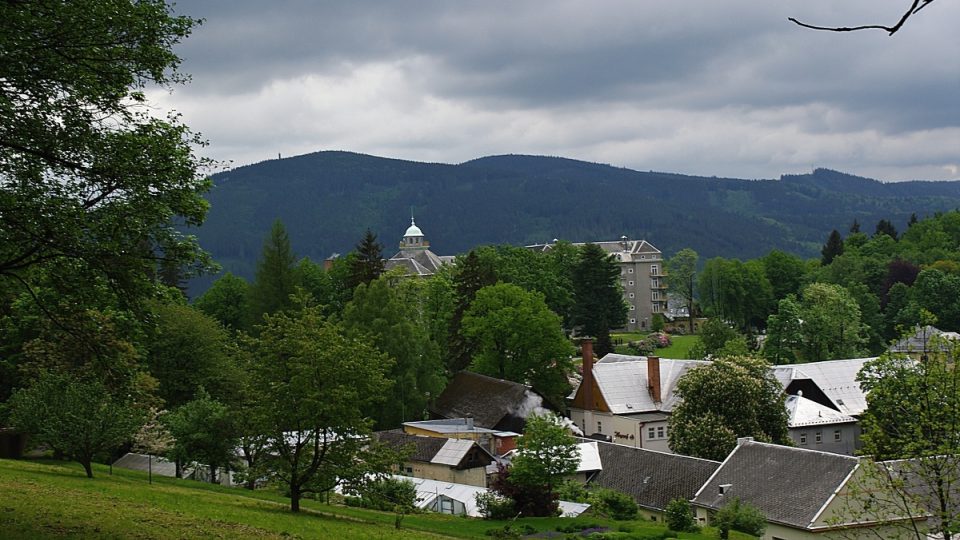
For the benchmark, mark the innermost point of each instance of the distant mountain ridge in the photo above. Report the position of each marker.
(328, 199)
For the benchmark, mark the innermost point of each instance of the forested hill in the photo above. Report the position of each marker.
(328, 199)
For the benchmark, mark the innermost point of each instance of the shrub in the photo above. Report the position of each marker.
(573, 491)
(679, 516)
(615, 504)
(739, 517)
(388, 494)
(493, 506)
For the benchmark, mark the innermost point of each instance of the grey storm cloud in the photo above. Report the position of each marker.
(727, 88)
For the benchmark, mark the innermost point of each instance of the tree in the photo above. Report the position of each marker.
(714, 335)
(886, 227)
(312, 384)
(915, 7)
(92, 179)
(597, 299)
(78, 418)
(855, 226)
(912, 418)
(228, 301)
(472, 274)
(831, 323)
(784, 333)
(727, 399)
(832, 248)
(680, 517)
(276, 278)
(546, 454)
(367, 263)
(736, 291)
(516, 337)
(785, 273)
(738, 516)
(681, 269)
(377, 314)
(939, 293)
(203, 430)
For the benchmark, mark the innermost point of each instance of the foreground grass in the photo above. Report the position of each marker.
(47, 499)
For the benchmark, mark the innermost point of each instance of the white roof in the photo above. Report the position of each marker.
(623, 382)
(589, 457)
(453, 451)
(413, 230)
(838, 380)
(804, 412)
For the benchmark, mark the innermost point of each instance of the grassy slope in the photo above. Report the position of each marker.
(678, 350)
(54, 499)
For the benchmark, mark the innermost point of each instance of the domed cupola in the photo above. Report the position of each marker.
(413, 238)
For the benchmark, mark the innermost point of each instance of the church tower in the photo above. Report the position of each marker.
(413, 238)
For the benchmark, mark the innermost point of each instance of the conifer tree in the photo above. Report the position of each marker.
(855, 227)
(472, 274)
(276, 277)
(598, 302)
(367, 263)
(886, 227)
(832, 248)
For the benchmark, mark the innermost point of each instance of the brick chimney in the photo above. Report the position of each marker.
(586, 345)
(653, 377)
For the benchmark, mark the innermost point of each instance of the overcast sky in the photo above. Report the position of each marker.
(725, 88)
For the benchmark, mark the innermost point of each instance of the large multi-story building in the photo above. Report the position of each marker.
(642, 278)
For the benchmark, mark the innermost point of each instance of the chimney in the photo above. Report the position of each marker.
(653, 377)
(469, 422)
(586, 346)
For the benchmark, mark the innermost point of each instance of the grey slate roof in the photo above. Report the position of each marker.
(420, 262)
(920, 340)
(424, 448)
(803, 412)
(836, 378)
(494, 403)
(788, 485)
(623, 382)
(652, 478)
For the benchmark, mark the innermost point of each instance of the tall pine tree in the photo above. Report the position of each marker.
(367, 262)
(832, 248)
(598, 302)
(472, 274)
(276, 277)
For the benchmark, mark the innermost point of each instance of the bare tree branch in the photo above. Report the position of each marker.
(915, 8)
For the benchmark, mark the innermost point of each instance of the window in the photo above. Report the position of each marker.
(630, 271)
(599, 427)
(656, 307)
(660, 434)
(803, 438)
(654, 270)
(836, 435)
(819, 437)
(631, 295)
(630, 283)
(634, 321)
(651, 433)
(655, 295)
(632, 307)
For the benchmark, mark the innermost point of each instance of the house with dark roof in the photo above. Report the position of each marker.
(415, 256)
(493, 403)
(495, 441)
(460, 461)
(804, 494)
(652, 478)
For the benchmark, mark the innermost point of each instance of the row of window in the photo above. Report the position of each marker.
(653, 433)
(818, 437)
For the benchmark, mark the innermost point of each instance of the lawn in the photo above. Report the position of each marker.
(679, 349)
(47, 499)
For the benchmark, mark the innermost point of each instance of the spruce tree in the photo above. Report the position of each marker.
(855, 227)
(276, 277)
(832, 248)
(472, 274)
(598, 302)
(886, 227)
(367, 263)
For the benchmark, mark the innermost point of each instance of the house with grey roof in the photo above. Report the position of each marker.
(652, 478)
(493, 403)
(415, 256)
(832, 383)
(642, 278)
(818, 427)
(924, 340)
(804, 494)
(460, 461)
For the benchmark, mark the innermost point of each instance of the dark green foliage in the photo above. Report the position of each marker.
(855, 226)
(714, 334)
(228, 301)
(276, 277)
(832, 248)
(204, 431)
(681, 272)
(680, 517)
(736, 291)
(78, 418)
(598, 304)
(612, 503)
(367, 263)
(738, 516)
(785, 273)
(887, 228)
(494, 506)
(471, 275)
(387, 494)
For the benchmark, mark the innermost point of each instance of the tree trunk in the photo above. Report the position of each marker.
(178, 467)
(88, 467)
(294, 499)
(213, 473)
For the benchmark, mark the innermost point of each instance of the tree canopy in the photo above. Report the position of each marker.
(598, 304)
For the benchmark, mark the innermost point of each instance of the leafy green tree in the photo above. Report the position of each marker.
(367, 263)
(738, 516)
(681, 270)
(93, 180)
(727, 399)
(785, 273)
(832, 248)
(188, 350)
(736, 291)
(276, 278)
(831, 323)
(516, 337)
(393, 327)
(546, 454)
(784, 333)
(472, 274)
(203, 430)
(78, 418)
(598, 301)
(313, 384)
(680, 517)
(913, 415)
(714, 335)
(228, 301)
(939, 293)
